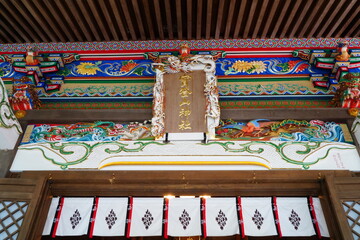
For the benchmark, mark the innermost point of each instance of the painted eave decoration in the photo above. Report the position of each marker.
(254, 145)
(250, 72)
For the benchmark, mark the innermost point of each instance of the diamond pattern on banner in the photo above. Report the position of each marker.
(184, 217)
(294, 217)
(258, 216)
(51, 216)
(258, 219)
(147, 217)
(221, 217)
(110, 217)
(75, 217)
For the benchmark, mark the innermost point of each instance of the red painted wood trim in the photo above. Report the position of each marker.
(203, 213)
(277, 221)
(242, 228)
(93, 218)
(129, 217)
(166, 218)
(58, 214)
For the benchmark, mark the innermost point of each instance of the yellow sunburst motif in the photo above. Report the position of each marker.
(241, 66)
(259, 66)
(87, 68)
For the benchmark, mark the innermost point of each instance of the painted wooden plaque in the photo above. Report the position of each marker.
(185, 103)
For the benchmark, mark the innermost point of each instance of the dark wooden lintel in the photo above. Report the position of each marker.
(124, 115)
(214, 183)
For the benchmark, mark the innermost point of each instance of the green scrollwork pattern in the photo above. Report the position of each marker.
(304, 148)
(7, 117)
(68, 148)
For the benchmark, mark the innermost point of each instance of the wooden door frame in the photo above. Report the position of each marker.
(33, 191)
(326, 185)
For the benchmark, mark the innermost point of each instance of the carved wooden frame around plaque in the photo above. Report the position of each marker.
(175, 65)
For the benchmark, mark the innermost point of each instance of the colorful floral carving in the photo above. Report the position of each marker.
(87, 68)
(247, 67)
(286, 130)
(258, 66)
(128, 66)
(290, 65)
(253, 66)
(82, 132)
(242, 66)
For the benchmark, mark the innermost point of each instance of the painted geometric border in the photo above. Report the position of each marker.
(223, 104)
(290, 43)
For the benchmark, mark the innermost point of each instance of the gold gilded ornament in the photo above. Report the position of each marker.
(20, 114)
(353, 112)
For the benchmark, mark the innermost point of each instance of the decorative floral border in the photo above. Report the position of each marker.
(65, 149)
(307, 149)
(303, 155)
(175, 44)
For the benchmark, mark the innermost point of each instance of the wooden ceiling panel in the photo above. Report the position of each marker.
(24, 21)
(199, 19)
(343, 17)
(269, 18)
(7, 21)
(169, 19)
(117, 19)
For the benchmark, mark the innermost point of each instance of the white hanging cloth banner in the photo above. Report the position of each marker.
(183, 217)
(109, 217)
(146, 218)
(51, 216)
(294, 217)
(73, 217)
(220, 217)
(318, 217)
(257, 217)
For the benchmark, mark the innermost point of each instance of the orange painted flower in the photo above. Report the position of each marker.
(129, 66)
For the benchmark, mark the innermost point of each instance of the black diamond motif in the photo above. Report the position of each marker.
(111, 219)
(147, 219)
(294, 219)
(221, 219)
(258, 219)
(75, 219)
(185, 219)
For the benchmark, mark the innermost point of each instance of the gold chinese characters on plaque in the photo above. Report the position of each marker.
(185, 103)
